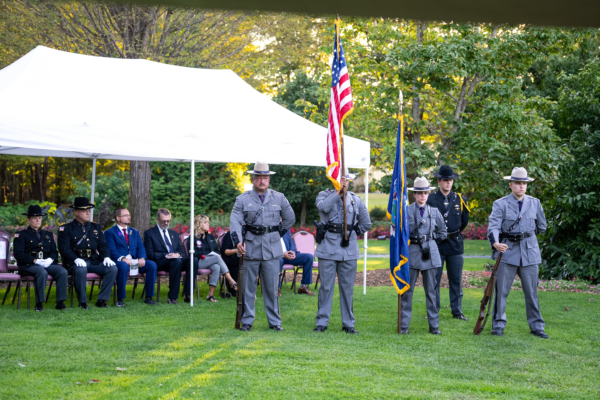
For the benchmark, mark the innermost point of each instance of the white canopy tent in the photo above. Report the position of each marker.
(59, 104)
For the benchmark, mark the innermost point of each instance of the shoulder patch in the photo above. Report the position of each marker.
(62, 228)
(16, 235)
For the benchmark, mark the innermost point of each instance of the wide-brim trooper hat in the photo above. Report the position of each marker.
(445, 172)
(261, 168)
(421, 185)
(519, 175)
(35, 211)
(348, 175)
(81, 203)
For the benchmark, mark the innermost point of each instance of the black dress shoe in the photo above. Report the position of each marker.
(60, 305)
(186, 298)
(39, 307)
(497, 333)
(541, 334)
(149, 301)
(84, 306)
(172, 301)
(404, 331)
(320, 328)
(461, 317)
(276, 327)
(435, 331)
(351, 331)
(246, 327)
(120, 303)
(101, 304)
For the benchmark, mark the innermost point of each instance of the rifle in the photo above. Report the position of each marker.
(488, 299)
(240, 290)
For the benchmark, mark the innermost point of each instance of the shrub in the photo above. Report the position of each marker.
(378, 214)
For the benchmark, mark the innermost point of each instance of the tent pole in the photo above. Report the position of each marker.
(191, 245)
(93, 188)
(365, 245)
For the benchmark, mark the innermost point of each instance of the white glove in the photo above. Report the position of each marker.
(108, 262)
(41, 262)
(80, 263)
(48, 262)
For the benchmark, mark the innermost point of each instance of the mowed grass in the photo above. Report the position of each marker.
(472, 247)
(183, 352)
(470, 264)
(376, 200)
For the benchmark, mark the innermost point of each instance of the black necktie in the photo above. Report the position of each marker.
(37, 233)
(520, 205)
(169, 247)
(446, 203)
(422, 209)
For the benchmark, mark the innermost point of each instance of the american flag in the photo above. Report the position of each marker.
(340, 107)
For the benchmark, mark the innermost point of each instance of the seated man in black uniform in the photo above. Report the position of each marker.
(84, 250)
(36, 255)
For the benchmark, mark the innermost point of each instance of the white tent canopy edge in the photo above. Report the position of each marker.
(59, 104)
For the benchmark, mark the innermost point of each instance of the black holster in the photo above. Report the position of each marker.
(320, 232)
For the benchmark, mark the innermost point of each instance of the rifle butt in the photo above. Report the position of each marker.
(240, 296)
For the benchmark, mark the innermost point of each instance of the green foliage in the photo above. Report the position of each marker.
(300, 185)
(113, 188)
(215, 188)
(301, 95)
(571, 245)
(378, 214)
(10, 214)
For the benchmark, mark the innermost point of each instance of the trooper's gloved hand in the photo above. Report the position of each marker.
(80, 263)
(48, 262)
(108, 262)
(41, 262)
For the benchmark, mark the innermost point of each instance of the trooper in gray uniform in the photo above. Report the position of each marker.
(426, 226)
(256, 231)
(514, 223)
(333, 257)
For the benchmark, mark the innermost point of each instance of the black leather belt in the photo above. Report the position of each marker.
(516, 236)
(454, 235)
(38, 254)
(338, 228)
(84, 253)
(420, 239)
(262, 229)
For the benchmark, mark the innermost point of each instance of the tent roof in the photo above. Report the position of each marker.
(60, 104)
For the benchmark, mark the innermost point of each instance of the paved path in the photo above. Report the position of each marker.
(387, 256)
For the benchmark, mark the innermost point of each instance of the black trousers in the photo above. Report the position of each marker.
(40, 275)
(454, 267)
(174, 266)
(108, 274)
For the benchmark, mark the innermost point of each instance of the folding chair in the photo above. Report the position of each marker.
(5, 274)
(305, 243)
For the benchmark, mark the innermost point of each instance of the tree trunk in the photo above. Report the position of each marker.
(139, 195)
(303, 213)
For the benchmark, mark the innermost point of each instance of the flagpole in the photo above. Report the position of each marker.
(401, 100)
(342, 152)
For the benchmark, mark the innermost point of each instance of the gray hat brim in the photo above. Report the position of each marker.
(427, 189)
(261, 172)
(512, 179)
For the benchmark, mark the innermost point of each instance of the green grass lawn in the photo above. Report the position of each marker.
(470, 264)
(376, 200)
(182, 352)
(472, 247)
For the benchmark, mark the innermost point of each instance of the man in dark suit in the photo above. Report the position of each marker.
(453, 208)
(164, 248)
(293, 257)
(84, 250)
(127, 251)
(36, 255)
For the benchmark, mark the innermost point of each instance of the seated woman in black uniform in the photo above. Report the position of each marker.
(229, 254)
(206, 251)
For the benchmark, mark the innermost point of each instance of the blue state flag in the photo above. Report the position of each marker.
(397, 212)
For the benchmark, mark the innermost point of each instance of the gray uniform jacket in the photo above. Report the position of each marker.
(330, 206)
(531, 219)
(275, 207)
(432, 223)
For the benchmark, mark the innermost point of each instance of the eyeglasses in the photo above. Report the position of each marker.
(262, 178)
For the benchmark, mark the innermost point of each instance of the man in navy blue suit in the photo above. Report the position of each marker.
(163, 246)
(126, 247)
(294, 257)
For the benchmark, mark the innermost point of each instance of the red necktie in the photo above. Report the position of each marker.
(126, 236)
